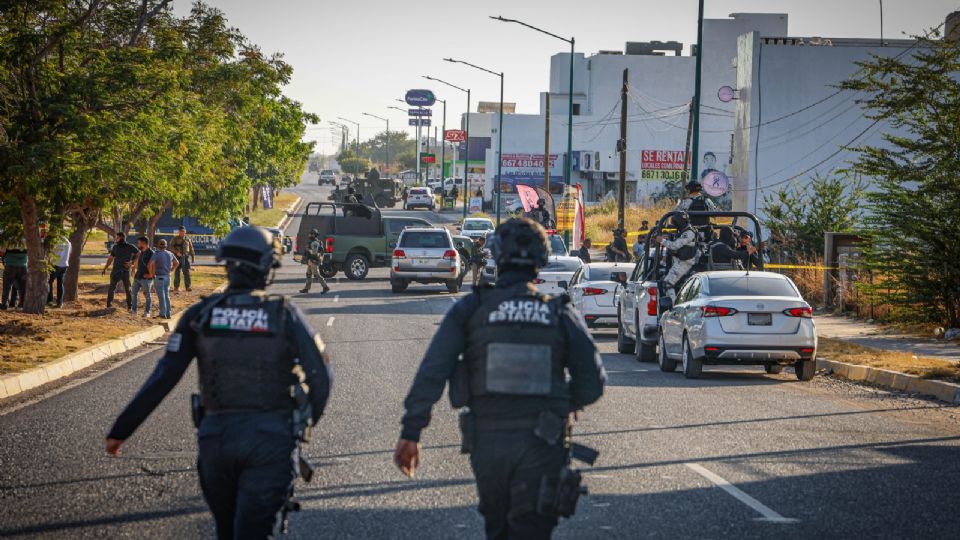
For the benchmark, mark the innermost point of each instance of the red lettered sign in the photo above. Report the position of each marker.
(668, 160)
(454, 135)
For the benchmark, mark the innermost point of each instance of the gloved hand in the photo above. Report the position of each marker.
(407, 456)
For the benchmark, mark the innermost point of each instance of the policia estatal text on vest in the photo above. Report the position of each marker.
(264, 380)
(506, 351)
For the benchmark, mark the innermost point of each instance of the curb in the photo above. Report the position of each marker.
(17, 383)
(941, 390)
(291, 210)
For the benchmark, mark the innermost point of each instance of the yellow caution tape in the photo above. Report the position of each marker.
(799, 267)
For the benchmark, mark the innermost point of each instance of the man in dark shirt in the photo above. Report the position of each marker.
(143, 278)
(584, 251)
(746, 245)
(121, 257)
(617, 249)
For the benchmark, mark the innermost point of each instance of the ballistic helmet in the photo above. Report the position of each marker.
(541, 203)
(694, 186)
(250, 247)
(314, 233)
(680, 220)
(520, 242)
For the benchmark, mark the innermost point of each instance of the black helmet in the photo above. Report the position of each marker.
(694, 186)
(313, 233)
(541, 202)
(680, 220)
(520, 242)
(251, 247)
(350, 190)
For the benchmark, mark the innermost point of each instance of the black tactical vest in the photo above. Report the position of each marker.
(243, 355)
(698, 204)
(514, 346)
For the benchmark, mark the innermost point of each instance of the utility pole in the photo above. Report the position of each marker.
(466, 160)
(443, 147)
(622, 148)
(696, 96)
(686, 154)
(546, 148)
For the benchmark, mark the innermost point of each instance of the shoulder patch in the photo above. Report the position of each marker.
(173, 344)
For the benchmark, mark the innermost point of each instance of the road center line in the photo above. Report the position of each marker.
(330, 321)
(767, 513)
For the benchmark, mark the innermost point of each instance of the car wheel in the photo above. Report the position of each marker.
(645, 352)
(773, 369)
(666, 363)
(453, 286)
(327, 271)
(692, 367)
(398, 285)
(805, 369)
(356, 266)
(625, 345)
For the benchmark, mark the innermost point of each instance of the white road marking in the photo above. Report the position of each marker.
(330, 321)
(454, 300)
(336, 298)
(767, 513)
(601, 505)
(606, 528)
(592, 475)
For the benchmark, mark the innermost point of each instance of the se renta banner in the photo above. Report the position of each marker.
(663, 165)
(266, 196)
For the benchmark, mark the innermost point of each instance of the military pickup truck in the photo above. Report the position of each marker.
(356, 236)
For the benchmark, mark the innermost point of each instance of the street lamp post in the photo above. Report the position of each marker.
(568, 166)
(499, 127)
(356, 161)
(466, 156)
(388, 135)
(695, 146)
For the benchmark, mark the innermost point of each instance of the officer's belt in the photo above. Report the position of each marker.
(498, 424)
(232, 410)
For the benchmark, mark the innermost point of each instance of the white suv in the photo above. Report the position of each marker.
(425, 255)
(420, 197)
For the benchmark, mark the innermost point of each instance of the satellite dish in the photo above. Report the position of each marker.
(726, 94)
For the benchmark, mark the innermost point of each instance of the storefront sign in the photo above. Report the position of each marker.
(663, 165)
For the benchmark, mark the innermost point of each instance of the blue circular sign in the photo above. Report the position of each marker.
(420, 98)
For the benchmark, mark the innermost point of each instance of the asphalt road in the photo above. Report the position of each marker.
(736, 454)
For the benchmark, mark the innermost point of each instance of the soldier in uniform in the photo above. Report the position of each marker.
(313, 260)
(518, 348)
(683, 250)
(696, 201)
(182, 249)
(264, 380)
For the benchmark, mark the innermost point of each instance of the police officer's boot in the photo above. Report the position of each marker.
(306, 286)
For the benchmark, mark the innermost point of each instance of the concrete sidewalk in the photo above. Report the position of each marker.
(873, 335)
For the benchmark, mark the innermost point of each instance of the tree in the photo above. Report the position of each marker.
(913, 219)
(351, 164)
(376, 148)
(797, 216)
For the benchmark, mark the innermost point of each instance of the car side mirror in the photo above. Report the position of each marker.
(563, 285)
(619, 277)
(666, 303)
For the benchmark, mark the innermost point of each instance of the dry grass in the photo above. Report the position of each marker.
(30, 340)
(602, 219)
(270, 218)
(851, 353)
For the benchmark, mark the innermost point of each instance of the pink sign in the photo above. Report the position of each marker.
(716, 184)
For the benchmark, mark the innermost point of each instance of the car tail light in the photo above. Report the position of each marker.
(652, 304)
(329, 245)
(450, 254)
(711, 349)
(399, 253)
(807, 350)
(593, 291)
(538, 281)
(717, 311)
(296, 243)
(802, 312)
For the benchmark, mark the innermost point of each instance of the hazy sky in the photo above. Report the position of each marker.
(355, 56)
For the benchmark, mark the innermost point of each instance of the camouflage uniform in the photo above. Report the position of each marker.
(313, 266)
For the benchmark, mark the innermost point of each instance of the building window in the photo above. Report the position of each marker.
(576, 109)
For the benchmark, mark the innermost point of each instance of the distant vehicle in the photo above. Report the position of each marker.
(285, 241)
(554, 277)
(447, 184)
(739, 318)
(593, 292)
(489, 275)
(327, 176)
(425, 255)
(386, 192)
(356, 236)
(420, 197)
(203, 237)
(476, 227)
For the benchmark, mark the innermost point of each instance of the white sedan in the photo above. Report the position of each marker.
(554, 277)
(739, 318)
(593, 292)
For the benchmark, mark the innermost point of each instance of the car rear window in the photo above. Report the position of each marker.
(477, 226)
(556, 245)
(561, 266)
(750, 286)
(424, 239)
(418, 191)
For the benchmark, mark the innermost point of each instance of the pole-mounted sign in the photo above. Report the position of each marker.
(454, 135)
(419, 112)
(420, 98)
(419, 122)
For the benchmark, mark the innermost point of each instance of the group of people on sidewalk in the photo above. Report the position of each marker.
(152, 268)
(15, 266)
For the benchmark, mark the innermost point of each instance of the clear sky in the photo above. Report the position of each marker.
(356, 56)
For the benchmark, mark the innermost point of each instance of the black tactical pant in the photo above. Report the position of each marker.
(14, 285)
(119, 276)
(247, 467)
(183, 268)
(509, 466)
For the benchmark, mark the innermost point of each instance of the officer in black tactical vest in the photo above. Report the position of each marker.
(507, 351)
(264, 380)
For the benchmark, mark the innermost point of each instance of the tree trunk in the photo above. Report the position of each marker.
(71, 280)
(35, 299)
(155, 219)
(256, 195)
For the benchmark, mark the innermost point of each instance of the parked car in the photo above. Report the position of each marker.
(593, 291)
(554, 277)
(740, 318)
(476, 227)
(284, 240)
(327, 176)
(489, 275)
(420, 197)
(425, 255)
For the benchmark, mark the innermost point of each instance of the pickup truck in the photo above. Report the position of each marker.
(637, 317)
(355, 236)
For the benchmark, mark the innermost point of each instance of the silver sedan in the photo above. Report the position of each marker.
(740, 318)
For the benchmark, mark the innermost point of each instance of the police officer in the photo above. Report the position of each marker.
(264, 380)
(683, 250)
(313, 260)
(696, 201)
(518, 348)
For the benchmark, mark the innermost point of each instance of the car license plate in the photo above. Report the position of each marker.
(759, 319)
(422, 262)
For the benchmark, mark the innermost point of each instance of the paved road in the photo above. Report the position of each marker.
(737, 454)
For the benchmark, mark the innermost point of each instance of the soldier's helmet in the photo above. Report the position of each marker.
(541, 203)
(250, 249)
(520, 242)
(694, 186)
(314, 233)
(680, 220)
